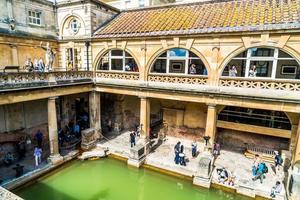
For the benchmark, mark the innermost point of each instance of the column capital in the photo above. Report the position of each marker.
(211, 105)
(52, 98)
(143, 97)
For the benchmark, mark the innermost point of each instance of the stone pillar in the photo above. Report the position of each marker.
(297, 146)
(211, 122)
(145, 117)
(15, 57)
(95, 112)
(55, 157)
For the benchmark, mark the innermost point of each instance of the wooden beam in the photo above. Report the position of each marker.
(254, 129)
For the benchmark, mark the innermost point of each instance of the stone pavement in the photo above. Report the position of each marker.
(240, 167)
(163, 156)
(118, 144)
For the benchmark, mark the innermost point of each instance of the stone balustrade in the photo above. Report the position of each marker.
(18, 80)
(180, 79)
(260, 83)
(117, 75)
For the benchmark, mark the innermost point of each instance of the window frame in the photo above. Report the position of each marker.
(123, 58)
(31, 18)
(249, 58)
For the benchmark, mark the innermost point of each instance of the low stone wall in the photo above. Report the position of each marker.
(7, 195)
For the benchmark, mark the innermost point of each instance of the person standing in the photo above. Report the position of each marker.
(252, 71)
(193, 69)
(22, 148)
(182, 156)
(39, 138)
(232, 71)
(132, 139)
(277, 160)
(194, 149)
(19, 170)
(37, 156)
(177, 151)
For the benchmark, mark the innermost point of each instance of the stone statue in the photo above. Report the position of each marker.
(49, 56)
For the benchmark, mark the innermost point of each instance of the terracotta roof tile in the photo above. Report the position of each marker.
(205, 17)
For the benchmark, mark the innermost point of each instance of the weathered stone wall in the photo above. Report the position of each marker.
(17, 10)
(15, 51)
(67, 107)
(236, 140)
(23, 115)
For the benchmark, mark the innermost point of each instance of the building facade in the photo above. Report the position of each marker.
(229, 70)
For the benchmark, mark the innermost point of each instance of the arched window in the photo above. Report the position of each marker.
(263, 62)
(179, 61)
(118, 60)
(74, 25)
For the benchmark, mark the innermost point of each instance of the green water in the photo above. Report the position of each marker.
(110, 179)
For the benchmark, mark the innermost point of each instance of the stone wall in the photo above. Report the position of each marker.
(15, 51)
(236, 140)
(22, 115)
(121, 110)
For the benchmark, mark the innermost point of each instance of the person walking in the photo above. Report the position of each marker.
(37, 155)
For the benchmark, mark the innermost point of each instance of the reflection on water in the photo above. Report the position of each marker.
(110, 179)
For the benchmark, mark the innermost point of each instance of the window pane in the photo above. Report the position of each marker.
(163, 55)
(30, 20)
(159, 66)
(282, 54)
(239, 65)
(285, 67)
(103, 65)
(176, 52)
(29, 13)
(192, 55)
(34, 20)
(130, 65)
(38, 21)
(262, 52)
(177, 66)
(242, 55)
(116, 64)
(263, 68)
(38, 15)
(116, 52)
(127, 54)
(198, 67)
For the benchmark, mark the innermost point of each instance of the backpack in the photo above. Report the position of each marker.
(265, 170)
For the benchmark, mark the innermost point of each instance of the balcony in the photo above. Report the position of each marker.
(22, 80)
(262, 87)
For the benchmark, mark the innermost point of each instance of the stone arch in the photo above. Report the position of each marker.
(66, 20)
(106, 50)
(155, 55)
(241, 49)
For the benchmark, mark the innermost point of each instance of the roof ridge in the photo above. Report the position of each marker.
(172, 5)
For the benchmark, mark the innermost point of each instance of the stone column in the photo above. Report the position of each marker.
(95, 112)
(55, 157)
(145, 117)
(211, 122)
(297, 146)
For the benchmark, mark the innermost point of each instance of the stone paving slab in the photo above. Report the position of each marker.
(240, 167)
(163, 157)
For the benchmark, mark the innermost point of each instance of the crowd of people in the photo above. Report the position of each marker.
(180, 156)
(37, 65)
(225, 176)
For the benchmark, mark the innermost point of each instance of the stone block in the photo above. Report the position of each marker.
(89, 138)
